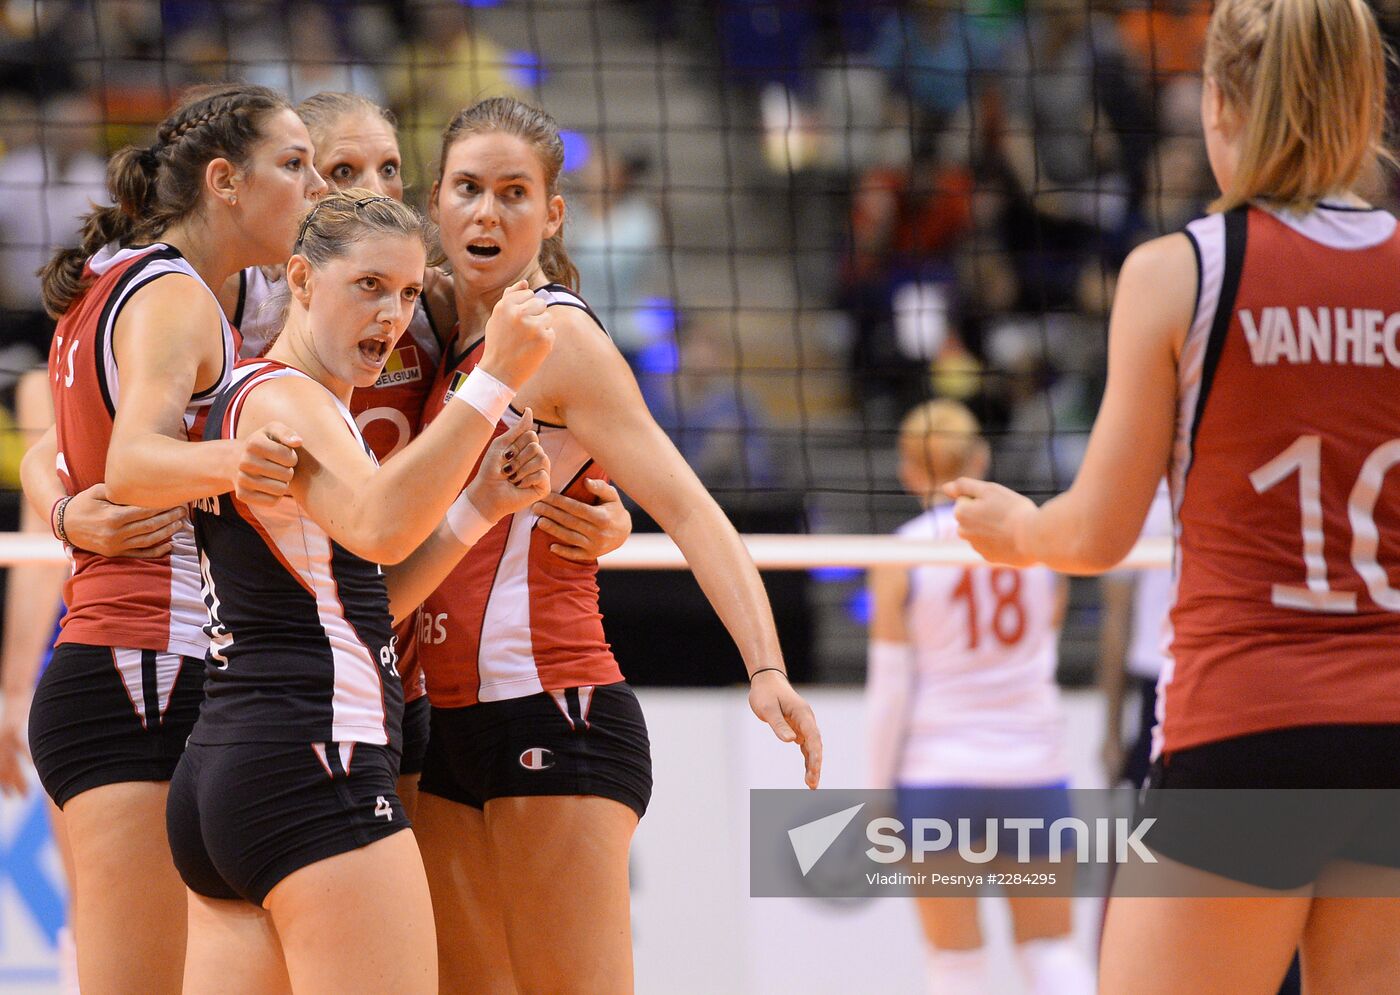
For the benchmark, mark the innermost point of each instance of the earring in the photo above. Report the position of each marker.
(232, 201)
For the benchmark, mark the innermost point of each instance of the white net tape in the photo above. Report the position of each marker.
(770, 552)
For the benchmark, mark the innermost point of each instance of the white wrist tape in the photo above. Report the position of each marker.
(485, 393)
(466, 523)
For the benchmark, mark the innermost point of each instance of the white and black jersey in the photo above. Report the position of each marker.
(301, 648)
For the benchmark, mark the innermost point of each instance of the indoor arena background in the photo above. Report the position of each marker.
(797, 220)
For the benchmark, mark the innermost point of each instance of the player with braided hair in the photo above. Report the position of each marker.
(223, 187)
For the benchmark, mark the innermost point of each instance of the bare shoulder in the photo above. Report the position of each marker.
(1167, 255)
(175, 297)
(580, 344)
(584, 368)
(1157, 289)
(301, 404)
(888, 580)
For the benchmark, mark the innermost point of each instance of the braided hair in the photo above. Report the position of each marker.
(157, 186)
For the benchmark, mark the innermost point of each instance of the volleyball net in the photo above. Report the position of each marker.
(798, 218)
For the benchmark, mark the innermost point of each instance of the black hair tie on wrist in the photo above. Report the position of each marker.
(760, 670)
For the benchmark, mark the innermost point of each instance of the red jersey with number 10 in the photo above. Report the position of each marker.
(1287, 607)
(135, 604)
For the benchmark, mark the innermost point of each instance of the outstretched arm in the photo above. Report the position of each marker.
(1092, 526)
(599, 400)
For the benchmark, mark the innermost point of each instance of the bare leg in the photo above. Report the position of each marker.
(1349, 946)
(1195, 945)
(1040, 918)
(233, 950)
(563, 860)
(67, 944)
(358, 923)
(471, 934)
(129, 902)
(950, 923)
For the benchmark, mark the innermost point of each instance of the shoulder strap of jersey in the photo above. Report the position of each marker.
(151, 266)
(222, 422)
(1236, 236)
(557, 295)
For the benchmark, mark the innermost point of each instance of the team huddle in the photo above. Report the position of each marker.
(360, 462)
(395, 438)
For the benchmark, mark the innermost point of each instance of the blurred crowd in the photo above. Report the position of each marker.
(985, 166)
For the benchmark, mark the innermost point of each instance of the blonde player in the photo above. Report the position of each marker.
(965, 718)
(1253, 359)
(283, 817)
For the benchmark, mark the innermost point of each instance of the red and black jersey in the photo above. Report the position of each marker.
(138, 604)
(1287, 588)
(514, 619)
(300, 645)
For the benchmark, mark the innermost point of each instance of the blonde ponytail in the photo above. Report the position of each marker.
(1307, 80)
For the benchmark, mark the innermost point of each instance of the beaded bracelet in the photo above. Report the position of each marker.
(56, 513)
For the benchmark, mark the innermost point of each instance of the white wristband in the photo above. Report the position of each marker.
(466, 523)
(485, 393)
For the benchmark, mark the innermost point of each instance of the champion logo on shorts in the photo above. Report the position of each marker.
(537, 758)
(401, 367)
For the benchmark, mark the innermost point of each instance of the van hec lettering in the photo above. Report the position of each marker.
(1343, 336)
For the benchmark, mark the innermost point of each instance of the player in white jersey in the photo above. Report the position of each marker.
(965, 717)
(1132, 641)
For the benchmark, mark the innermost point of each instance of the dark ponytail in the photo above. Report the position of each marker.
(131, 182)
(155, 187)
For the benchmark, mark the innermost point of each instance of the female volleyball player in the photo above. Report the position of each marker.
(357, 146)
(538, 765)
(964, 712)
(285, 797)
(140, 350)
(1253, 359)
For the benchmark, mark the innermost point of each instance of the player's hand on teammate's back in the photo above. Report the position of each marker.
(992, 518)
(585, 531)
(775, 701)
(519, 336)
(96, 525)
(514, 472)
(266, 465)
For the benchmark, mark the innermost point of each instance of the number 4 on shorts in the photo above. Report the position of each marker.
(382, 807)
